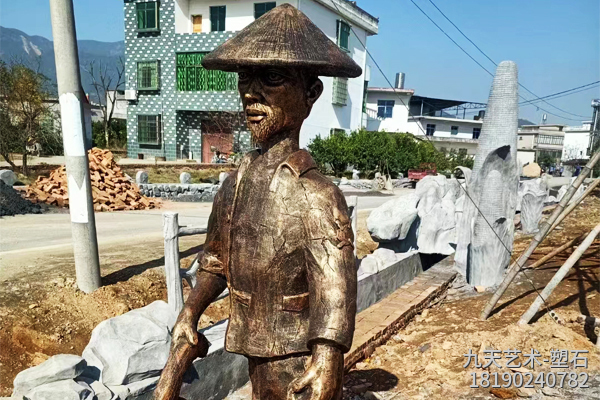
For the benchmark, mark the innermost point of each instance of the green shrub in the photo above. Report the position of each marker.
(389, 153)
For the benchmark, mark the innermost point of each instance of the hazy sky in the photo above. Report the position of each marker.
(556, 44)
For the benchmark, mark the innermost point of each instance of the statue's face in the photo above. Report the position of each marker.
(276, 100)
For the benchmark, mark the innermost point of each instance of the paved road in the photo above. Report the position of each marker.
(53, 231)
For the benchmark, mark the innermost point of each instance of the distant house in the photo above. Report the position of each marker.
(577, 142)
(537, 140)
(177, 109)
(448, 124)
(119, 104)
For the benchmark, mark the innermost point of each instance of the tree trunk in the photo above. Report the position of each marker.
(9, 161)
(106, 134)
(24, 168)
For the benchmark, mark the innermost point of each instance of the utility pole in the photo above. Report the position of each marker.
(594, 129)
(83, 224)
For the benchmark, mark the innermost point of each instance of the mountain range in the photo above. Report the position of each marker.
(37, 51)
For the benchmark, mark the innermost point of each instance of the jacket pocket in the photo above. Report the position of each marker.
(295, 303)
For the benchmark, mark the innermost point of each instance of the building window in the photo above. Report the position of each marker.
(385, 108)
(476, 133)
(343, 35)
(454, 130)
(147, 75)
(149, 129)
(196, 23)
(192, 76)
(550, 139)
(217, 18)
(147, 16)
(263, 8)
(340, 91)
(430, 130)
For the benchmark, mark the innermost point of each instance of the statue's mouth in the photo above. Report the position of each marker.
(255, 114)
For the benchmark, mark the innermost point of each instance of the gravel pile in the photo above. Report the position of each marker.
(12, 203)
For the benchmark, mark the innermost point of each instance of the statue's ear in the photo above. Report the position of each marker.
(314, 92)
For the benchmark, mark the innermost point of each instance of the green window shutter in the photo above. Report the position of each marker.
(191, 76)
(340, 91)
(217, 18)
(262, 8)
(148, 75)
(149, 129)
(147, 15)
(343, 34)
(141, 15)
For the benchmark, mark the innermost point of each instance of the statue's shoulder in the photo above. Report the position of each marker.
(313, 181)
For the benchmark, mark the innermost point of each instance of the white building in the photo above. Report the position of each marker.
(341, 104)
(577, 141)
(443, 121)
(118, 106)
(537, 140)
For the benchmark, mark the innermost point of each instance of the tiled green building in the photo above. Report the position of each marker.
(171, 97)
(177, 109)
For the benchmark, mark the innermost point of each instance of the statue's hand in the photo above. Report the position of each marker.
(184, 332)
(323, 375)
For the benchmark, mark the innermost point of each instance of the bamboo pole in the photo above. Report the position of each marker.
(562, 248)
(559, 276)
(514, 269)
(572, 206)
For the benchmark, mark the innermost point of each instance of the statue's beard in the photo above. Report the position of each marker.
(271, 124)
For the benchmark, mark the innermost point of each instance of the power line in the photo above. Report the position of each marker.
(429, 140)
(492, 61)
(565, 92)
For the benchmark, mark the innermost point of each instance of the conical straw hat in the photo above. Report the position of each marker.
(283, 37)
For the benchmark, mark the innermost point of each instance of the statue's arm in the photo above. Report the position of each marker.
(332, 294)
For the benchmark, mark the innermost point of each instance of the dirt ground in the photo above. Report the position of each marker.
(44, 314)
(425, 360)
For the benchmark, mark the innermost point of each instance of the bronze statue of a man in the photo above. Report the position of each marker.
(279, 236)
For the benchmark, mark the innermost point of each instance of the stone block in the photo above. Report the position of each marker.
(141, 177)
(185, 177)
(8, 177)
(393, 219)
(56, 368)
(65, 390)
(131, 347)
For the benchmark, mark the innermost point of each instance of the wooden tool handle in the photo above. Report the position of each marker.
(180, 359)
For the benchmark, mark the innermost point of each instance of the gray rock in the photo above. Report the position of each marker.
(120, 392)
(344, 181)
(56, 368)
(534, 194)
(66, 389)
(378, 261)
(141, 177)
(393, 219)
(222, 177)
(8, 177)
(437, 232)
(140, 387)
(185, 177)
(131, 347)
(101, 391)
(173, 188)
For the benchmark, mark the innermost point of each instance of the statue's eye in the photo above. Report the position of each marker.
(243, 76)
(274, 77)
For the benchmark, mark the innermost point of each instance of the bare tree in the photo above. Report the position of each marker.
(106, 85)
